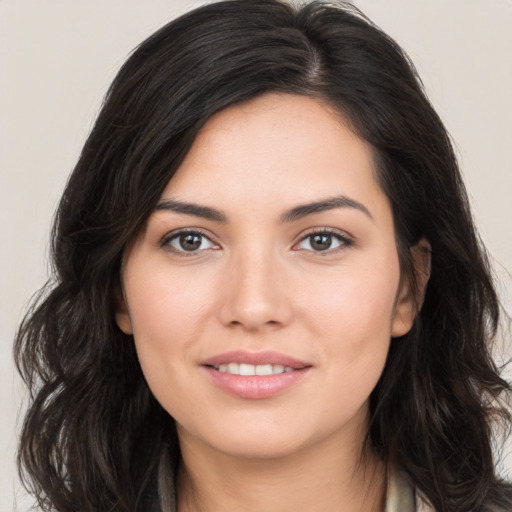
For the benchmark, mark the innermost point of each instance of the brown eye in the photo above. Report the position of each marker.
(324, 241)
(190, 241)
(187, 242)
(321, 242)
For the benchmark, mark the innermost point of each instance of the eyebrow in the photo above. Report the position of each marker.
(324, 205)
(298, 212)
(205, 212)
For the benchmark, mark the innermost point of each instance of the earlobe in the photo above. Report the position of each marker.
(409, 300)
(122, 315)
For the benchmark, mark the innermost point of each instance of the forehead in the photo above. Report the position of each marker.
(279, 147)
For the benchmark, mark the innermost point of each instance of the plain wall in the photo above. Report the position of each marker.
(57, 58)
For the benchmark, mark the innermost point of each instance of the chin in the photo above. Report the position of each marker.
(241, 442)
(259, 449)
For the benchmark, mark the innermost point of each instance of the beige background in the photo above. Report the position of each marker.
(57, 58)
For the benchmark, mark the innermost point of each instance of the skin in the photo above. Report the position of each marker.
(257, 283)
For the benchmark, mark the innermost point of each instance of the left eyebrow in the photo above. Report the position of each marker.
(323, 205)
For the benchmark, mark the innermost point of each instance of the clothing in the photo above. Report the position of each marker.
(400, 495)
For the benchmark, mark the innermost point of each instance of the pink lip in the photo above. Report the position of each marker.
(255, 386)
(267, 357)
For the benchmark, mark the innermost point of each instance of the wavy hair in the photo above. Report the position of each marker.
(94, 438)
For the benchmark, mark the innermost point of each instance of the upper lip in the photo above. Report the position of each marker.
(255, 358)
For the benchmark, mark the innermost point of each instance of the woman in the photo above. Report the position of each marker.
(269, 293)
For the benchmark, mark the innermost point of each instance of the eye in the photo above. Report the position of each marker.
(323, 241)
(187, 242)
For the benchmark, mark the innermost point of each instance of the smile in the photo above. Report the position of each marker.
(252, 369)
(255, 375)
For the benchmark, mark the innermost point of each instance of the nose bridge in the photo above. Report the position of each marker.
(255, 294)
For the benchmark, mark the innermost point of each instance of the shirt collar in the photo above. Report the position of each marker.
(400, 493)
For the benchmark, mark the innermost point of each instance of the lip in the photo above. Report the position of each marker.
(255, 387)
(266, 357)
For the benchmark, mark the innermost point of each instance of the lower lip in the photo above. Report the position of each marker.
(256, 387)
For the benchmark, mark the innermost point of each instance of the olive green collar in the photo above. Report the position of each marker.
(400, 493)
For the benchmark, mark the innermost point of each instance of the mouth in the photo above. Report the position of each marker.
(238, 361)
(252, 369)
(255, 375)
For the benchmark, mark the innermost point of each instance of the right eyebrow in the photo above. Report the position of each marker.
(196, 210)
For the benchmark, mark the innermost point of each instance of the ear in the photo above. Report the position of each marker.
(122, 314)
(409, 301)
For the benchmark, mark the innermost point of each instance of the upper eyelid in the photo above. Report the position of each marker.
(331, 231)
(305, 234)
(346, 239)
(180, 231)
(165, 241)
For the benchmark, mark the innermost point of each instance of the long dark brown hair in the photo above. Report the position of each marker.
(94, 438)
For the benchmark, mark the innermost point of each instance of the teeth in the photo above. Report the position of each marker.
(251, 369)
(247, 369)
(263, 369)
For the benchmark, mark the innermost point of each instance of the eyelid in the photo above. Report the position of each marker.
(164, 242)
(346, 239)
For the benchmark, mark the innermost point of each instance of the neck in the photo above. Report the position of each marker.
(326, 477)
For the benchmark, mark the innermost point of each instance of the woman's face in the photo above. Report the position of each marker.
(265, 289)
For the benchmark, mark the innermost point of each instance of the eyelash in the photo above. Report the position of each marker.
(343, 239)
(168, 239)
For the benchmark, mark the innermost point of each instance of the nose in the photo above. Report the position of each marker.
(256, 295)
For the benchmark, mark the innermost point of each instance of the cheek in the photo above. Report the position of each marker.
(355, 301)
(166, 306)
(353, 316)
(168, 315)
